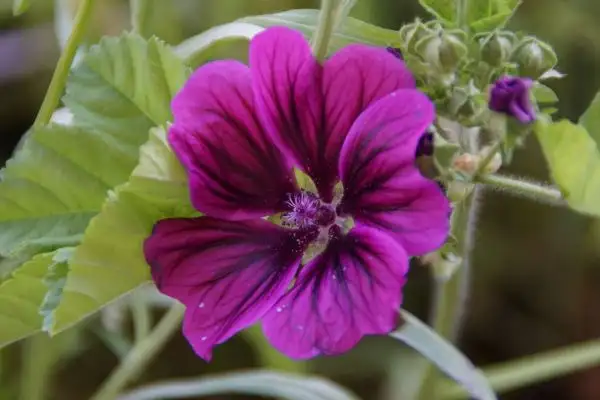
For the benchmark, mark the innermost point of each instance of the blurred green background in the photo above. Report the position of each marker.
(536, 269)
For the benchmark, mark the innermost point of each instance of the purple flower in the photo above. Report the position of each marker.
(334, 269)
(510, 95)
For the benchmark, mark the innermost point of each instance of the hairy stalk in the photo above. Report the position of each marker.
(462, 14)
(450, 295)
(325, 25)
(519, 187)
(59, 78)
(140, 12)
(141, 354)
(140, 312)
(38, 357)
(532, 369)
(487, 159)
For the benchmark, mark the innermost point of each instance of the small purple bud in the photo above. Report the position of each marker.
(510, 96)
(425, 145)
(395, 52)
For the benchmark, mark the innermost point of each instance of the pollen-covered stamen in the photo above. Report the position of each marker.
(303, 208)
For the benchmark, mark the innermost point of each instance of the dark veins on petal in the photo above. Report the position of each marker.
(249, 263)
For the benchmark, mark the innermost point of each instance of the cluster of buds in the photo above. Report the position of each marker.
(483, 84)
(435, 54)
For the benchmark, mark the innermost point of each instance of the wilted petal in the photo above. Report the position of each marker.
(353, 289)
(227, 273)
(353, 79)
(234, 170)
(382, 186)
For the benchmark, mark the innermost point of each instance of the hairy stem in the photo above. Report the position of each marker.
(325, 25)
(462, 14)
(531, 190)
(59, 78)
(142, 321)
(140, 12)
(38, 357)
(450, 295)
(141, 354)
(532, 369)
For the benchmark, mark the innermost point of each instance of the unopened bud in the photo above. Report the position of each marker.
(464, 100)
(496, 48)
(410, 34)
(466, 163)
(534, 57)
(443, 51)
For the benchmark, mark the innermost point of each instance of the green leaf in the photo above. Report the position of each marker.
(351, 30)
(482, 15)
(21, 296)
(55, 279)
(200, 48)
(488, 15)
(444, 355)
(110, 262)
(20, 6)
(124, 87)
(56, 183)
(591, 119)
(574, 162)
(259, 383)
(543, 94)
(444, 10)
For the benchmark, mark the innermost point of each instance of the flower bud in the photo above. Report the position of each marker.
(534, 57)
(410, 34)
(443, 51)
(495, 49)
(511, 96)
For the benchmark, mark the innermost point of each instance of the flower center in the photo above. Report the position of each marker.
(307, 210)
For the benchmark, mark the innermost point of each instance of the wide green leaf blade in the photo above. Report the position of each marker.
(110, 262)
(574, 161)
(56, 183)
(260, 383)
(444, 355)
(124, 86)
(591, 119)
(351, 30)
(21, 296)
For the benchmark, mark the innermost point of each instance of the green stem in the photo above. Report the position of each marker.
(142, 321)
(487, 159)
(140, 13)
(532, 369)
(325, 25)
(38, 357)
(59, 78)
(450, 294)
(534, 191)
(141, 354)
(462, 14)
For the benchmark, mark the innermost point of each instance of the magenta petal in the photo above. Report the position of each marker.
(353, 289)
(382, 186)
(234, 171)
(353, 79)
(228, 274)
(287, 86)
